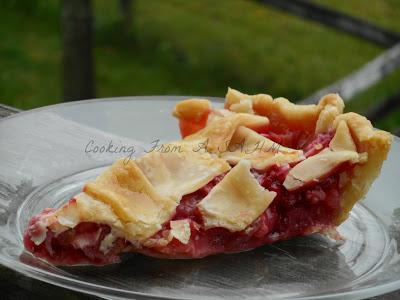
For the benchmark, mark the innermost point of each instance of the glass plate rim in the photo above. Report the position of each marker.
(20, 112)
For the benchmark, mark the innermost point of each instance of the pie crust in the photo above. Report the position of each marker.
(225, 152)
(327, 115)
(237, 201)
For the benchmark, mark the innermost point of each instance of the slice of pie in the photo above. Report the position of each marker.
(258, 171)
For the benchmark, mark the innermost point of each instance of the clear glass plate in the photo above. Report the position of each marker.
(47, 154)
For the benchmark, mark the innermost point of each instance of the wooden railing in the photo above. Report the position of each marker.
(363, 78)
(369, 74)
(338, 20)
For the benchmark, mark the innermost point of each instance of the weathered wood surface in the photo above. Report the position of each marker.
(362, 78)
(78, 61)
(15, 286)
(5, 110)
(125, 8)
(337, 20)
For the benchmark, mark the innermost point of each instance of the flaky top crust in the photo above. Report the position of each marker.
(376, 143)
(325, 116)
(286, 115)
(137, 197)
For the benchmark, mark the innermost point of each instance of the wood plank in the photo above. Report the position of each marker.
(78, 61)
(6, 110)
(337, 20)
(362, 78)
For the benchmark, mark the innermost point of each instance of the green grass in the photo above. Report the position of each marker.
(182, 47)
(251, 47)
(29, 58)
(178, 47)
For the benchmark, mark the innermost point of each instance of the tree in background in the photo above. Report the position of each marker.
(125, 7)
(78, 66)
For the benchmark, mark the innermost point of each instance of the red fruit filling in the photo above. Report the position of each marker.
(296, 213)
(290, 214)
(79, 245)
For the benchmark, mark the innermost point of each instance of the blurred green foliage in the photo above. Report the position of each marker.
(183, 47)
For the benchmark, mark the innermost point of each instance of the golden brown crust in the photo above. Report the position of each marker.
(176, 174)
(288, 115)
(133, 199)
(237, 201)
(144, 193)
(342, 140)
(376, 143)
(192, 109)
(220, 131)
(259, 150)
(331, 106)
